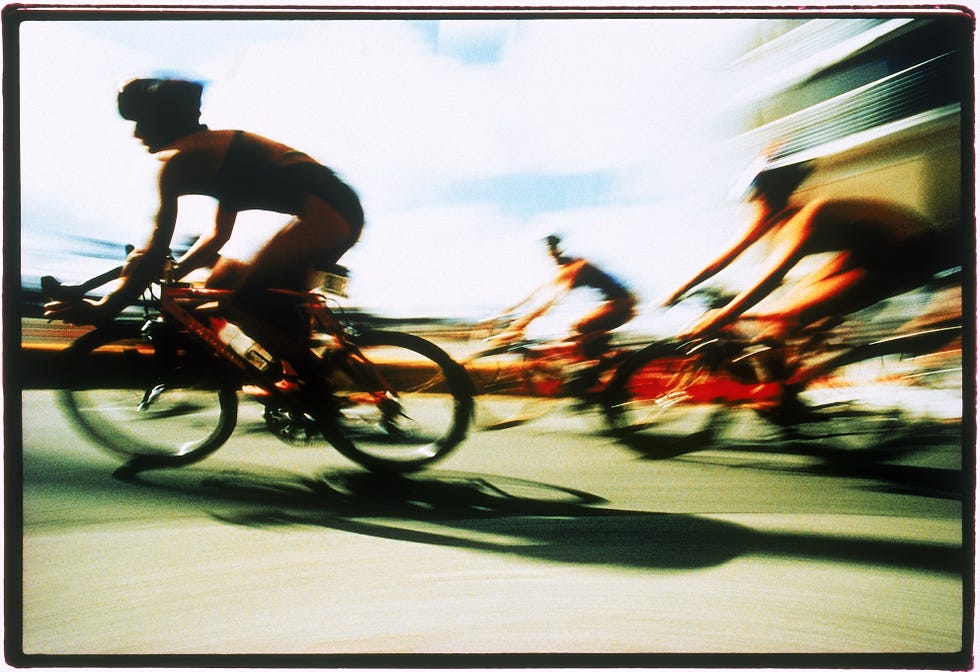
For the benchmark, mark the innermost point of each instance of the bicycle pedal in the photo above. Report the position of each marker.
(150, 397)
(290, 427)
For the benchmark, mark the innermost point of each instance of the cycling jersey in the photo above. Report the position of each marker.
(249, 180)
(607, 285)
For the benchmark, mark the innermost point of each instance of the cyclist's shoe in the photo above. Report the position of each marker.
(303, 427)
(788, 411)
(585, 401)
(584, 385)
(391, 415)
(583, 379)
(291, 427)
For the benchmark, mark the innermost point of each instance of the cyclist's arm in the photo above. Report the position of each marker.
(142, 267)
(521, 324)
(526, 300)
(145, 265)
(716, 319)
(205, 250)
(752, 234)
(558, 288)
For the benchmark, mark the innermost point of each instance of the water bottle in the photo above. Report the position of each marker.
(231, 335)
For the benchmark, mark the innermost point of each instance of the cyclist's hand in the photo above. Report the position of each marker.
(495, 321)
(133, 260)
(508, 336)
(172, 272)
(674, 299)
(702, 327)
(75, 312)
(493, 326)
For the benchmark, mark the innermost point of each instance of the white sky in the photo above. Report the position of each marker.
(467, 142)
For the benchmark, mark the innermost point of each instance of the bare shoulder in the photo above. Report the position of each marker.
(569, 272)
(193, 161)
(204, 142)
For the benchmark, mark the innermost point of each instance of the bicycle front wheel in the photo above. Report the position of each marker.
(512, 387)
(653, 387)
(155, 403)
(404, 402)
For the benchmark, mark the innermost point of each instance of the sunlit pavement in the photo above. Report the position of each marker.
(544, 538)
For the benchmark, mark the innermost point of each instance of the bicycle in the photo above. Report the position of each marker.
(399, 402)
(641, 386)
(518, 381)
(818, 383)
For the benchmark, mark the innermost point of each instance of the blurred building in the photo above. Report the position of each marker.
(878, 104)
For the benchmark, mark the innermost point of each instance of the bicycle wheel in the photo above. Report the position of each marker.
(873, 393)
(156, 402)
(645, 387)
(404, 405)
(511, 389)
(928, 359)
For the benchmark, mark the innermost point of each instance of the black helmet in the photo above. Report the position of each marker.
(776, 185)
(552, 241)
(160, 99)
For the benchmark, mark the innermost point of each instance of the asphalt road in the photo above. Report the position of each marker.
(541, 539)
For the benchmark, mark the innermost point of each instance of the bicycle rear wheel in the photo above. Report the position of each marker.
(403, 405)
(155, 403)
(873, 394)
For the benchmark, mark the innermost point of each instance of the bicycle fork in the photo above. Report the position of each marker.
(159, 334)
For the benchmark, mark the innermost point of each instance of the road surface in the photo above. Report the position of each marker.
(540, 539)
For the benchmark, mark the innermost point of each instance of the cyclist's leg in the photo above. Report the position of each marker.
(319, 234)
(592, 340)
(593, 330)
(226, 274)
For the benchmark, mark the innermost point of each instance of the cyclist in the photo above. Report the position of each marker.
(242, 171)
(590, 334)
(877, 250)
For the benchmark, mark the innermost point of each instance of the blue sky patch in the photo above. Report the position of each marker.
(525, 195)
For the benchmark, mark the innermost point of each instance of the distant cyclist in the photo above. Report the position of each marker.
(876, 250)
(241, 171)
(591, 333)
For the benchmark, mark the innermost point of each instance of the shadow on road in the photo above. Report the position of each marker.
(509, 516)
(878, 457)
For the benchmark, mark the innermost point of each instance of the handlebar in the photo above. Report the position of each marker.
(55, 289)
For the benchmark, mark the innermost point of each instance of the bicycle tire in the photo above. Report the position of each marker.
(910, 345)
(507, 392)
(417, 414)
(883, 379)
(154, 404)
(644, 388)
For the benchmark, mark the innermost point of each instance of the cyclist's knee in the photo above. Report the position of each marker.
(272, 309)
(226, 274)
(594, 344)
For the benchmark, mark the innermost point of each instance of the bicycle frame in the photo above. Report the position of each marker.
(184, 304)
(174, 298)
